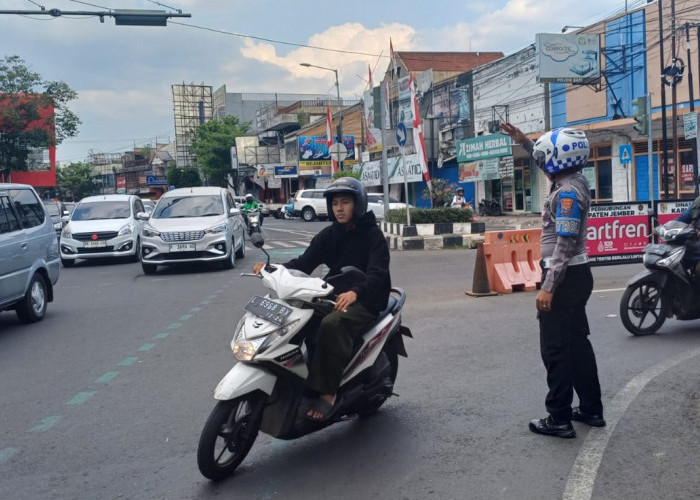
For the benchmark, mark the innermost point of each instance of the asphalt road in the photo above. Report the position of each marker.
(107, 396)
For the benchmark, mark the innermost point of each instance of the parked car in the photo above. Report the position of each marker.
(29, 261)
(102, 226)
(240, 200)
(310, 204)
(375, 203)
(69, 206)
(196, 224)
(57, 211)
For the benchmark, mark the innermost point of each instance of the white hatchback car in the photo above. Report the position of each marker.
(102, 226)
(375, 203)
(197, 224)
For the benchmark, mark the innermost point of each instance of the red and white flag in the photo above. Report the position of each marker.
(393, 59)
(418, 135)
(329, 138)
(369, 69)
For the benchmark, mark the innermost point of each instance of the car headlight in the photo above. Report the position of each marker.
(221, 228)
(149, 231)
(128, 229)
(66, 234)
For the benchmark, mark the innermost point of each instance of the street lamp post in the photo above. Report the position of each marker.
(340, 104)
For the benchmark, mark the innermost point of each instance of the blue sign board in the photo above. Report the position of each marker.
(626, 153)
(286, 171)
(156, 180)
(401, 134)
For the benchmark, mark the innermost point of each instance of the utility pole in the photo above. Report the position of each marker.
(691, 98)
(664, 134)
(383, 165)
(674, 113)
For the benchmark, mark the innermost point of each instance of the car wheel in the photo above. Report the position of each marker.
(308, 214)
(137, 253)
(33, 306)
(67, 262)
(149, 268)
(240, 253)
(230, 263)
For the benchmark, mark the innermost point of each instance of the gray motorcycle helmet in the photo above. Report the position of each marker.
(347, 185)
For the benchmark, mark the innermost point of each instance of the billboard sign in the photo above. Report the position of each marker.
(313, 151)
(617, 232)
(121, 184)
(156, 180)
(667, 210)
(568, 58)
(286, 172)
(482, 147)
(370, 172)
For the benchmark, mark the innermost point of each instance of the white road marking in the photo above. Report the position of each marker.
(610, 290)
(579, 485)
(284, 244)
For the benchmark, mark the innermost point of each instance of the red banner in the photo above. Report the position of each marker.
(668, 210)
(617, 232)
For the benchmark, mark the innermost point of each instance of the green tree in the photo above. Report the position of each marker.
(442, 192)
(346, 173)
(183, 177)
(211, 146)
(24, 124)
(75, 180)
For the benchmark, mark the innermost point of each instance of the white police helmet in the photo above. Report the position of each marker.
(560, 150)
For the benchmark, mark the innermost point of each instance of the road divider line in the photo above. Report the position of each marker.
(128, 361)
(204, 303)
(184, 317)
(107, 377)
(81, 398)
(581, 481)
(7, 453)
(161, 335)
(146, 347)
(174, 326)
(47, 423)
(195, 309)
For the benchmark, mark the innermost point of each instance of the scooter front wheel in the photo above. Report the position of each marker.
(642, 308)
(229, 435)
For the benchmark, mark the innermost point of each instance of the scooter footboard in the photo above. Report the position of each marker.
(243, 379)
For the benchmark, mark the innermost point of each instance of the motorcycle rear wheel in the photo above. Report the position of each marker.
(229, 435)
(642, 309)
(373, 407)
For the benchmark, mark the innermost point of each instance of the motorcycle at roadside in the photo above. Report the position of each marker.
(490, 207)
(667, 287)
(272, 343)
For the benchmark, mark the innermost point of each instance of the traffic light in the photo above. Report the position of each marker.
(640, 115)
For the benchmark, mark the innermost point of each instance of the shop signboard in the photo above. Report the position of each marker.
(286, 171)
(121, 184)
(617, 232)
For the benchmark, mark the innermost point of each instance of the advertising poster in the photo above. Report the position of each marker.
(286, 172)
(121, 184)
(373, 134)
(667, 210)
(469, 172)
(313, 152)
(370, 172)
(568, 58)
(404, 103)
(617, 232)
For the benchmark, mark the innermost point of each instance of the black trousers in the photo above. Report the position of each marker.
(566, 351)
(333, 346)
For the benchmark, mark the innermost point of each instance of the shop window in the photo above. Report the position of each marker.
(598, 171)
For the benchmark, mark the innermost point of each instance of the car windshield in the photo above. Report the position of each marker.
(98, 210)
(189, 206)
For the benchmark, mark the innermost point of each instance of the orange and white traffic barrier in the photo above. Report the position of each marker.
(513, 259)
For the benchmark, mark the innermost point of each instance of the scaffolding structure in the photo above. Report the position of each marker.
(192, 106)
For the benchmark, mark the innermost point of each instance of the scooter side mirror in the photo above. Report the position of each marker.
(257, 240)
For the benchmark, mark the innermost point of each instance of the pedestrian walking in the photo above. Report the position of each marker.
(567, 283)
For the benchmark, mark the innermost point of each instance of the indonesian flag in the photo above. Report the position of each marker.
(393, 59)
(329, 137)
(418, 135)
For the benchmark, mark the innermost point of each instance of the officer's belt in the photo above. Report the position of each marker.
(576, 260)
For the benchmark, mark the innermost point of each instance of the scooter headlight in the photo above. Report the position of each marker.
(672, 259)
(244, 350)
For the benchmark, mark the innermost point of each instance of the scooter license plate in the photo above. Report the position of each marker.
(268, 310)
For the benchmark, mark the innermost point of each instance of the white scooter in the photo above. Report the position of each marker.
(263, 391)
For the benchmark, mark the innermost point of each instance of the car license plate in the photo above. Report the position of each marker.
(267, 309)
(95, 244)
(183, 247)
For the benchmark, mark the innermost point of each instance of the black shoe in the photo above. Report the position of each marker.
(550, 427)
(587, 418)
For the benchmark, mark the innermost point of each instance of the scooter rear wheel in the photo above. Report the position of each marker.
(642, 308)
(229, 435)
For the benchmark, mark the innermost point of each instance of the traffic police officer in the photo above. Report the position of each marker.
(567, 283)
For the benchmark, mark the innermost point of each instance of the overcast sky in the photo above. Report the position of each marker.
(123, 74)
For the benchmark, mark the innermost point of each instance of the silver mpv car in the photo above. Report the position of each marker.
(29, 261)
(197, 224)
